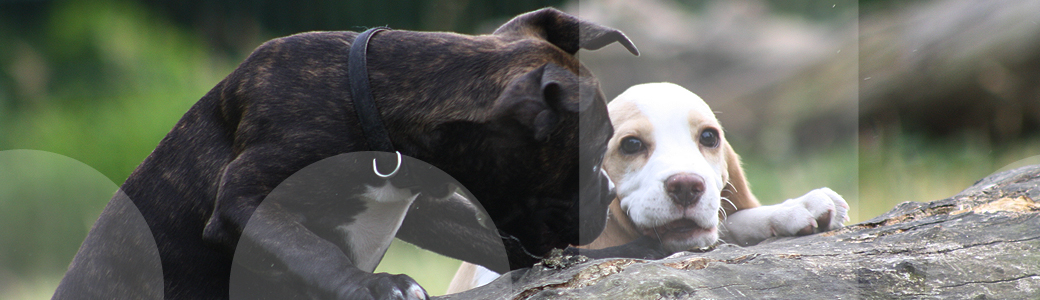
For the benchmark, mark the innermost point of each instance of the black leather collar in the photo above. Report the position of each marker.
(360, 93)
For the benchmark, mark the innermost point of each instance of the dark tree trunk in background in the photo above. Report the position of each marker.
(983, 243)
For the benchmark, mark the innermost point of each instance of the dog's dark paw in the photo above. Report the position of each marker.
(383, 286)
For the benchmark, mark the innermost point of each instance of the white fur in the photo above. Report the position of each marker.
(374, 228)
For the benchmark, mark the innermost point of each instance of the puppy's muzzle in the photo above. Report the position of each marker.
(684, 189)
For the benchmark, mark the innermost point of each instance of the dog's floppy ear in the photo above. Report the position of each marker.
(737, 190)
(565, 31)
(539, 100)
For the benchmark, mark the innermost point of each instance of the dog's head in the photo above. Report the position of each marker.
(512, 115)
(673, 167)
(548, 130)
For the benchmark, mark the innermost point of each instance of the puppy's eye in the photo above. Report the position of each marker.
(631, 145)
(710, 138)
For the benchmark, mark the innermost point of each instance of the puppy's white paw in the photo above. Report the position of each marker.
(818, 210)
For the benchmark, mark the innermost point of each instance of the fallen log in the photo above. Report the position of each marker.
(979, 244)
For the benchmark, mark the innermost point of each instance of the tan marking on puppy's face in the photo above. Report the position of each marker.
(628, 123)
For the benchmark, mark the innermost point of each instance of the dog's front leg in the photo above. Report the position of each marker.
(276, 244)
(286, 247)
(817, 211)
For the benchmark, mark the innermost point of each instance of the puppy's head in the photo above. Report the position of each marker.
(548, 130)
(671, 163)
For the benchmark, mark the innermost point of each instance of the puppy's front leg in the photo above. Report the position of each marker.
(817, 211)
(288, 247)
(309, 263)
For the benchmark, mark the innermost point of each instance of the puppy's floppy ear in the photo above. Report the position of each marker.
(565, 31)
(738, 190)
(539, 100)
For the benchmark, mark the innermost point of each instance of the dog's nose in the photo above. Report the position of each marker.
(684, 189)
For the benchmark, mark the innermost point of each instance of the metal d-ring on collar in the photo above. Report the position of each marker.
(392, 173)
(361, 95)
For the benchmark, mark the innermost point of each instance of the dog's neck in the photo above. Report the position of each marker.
(421, 114)
(463, 76)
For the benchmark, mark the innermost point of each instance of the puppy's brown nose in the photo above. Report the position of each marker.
(684, 189)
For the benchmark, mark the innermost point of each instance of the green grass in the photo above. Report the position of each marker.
(773, 181)
(431, 270)
(48, 202)
(899, 168)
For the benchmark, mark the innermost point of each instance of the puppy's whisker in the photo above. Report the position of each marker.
(724, 214)
(730, 185)
(655, 232)
(732, 191)
(722, 210)
(730, 204)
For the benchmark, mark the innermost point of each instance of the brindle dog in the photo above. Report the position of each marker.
(512, 116)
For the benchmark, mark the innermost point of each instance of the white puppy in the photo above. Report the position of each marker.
(676, 174)
(679, 180)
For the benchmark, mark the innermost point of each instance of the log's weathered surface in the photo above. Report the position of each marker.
(983, 243)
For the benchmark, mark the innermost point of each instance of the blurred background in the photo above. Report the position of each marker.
(884, 101)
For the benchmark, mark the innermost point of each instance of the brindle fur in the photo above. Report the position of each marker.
(498, 112)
